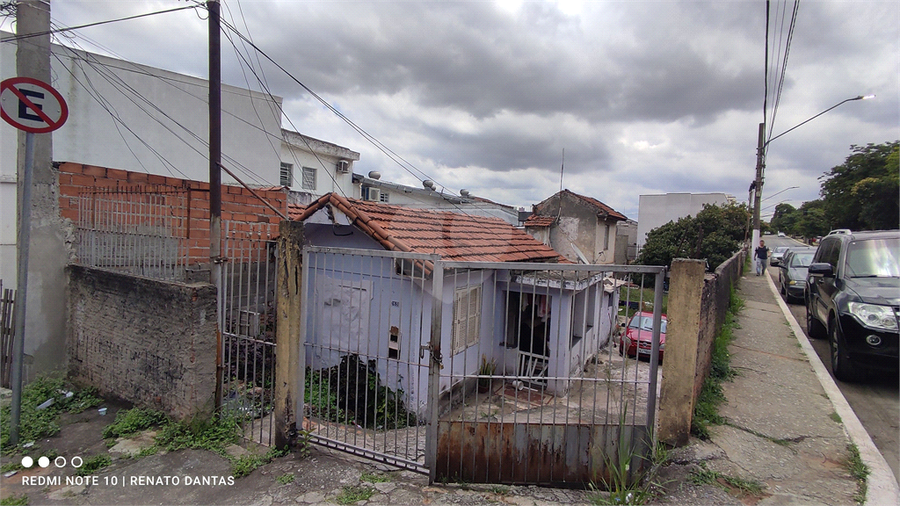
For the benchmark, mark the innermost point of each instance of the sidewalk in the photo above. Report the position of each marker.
(787, 425)
(782, 430)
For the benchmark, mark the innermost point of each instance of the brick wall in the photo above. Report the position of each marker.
(148, 342)
(186, 201)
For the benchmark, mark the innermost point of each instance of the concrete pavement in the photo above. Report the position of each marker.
(787, 428)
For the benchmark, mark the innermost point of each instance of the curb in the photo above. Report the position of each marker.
(881, 486)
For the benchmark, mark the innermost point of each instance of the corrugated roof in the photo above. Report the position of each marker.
(453, 236)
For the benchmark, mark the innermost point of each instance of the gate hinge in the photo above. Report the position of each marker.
(435, 355)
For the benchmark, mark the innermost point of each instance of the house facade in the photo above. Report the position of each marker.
(527, 324)
(311, 167)
(582, 229)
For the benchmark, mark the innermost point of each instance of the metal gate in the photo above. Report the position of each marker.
(247, 321)
(479, 372)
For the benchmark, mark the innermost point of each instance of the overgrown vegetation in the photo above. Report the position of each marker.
(285, 478)
(706, 411)
(132, 421)
(375, 478)
(56, 397)
(860, 472)
(352, 393)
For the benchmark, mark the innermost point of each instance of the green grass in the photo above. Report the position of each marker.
(14, 500)
(499, 489)
(94, 464)
(835, 417)
(375, 478)
(352, 494)
(860, 472)
(36, 423)
(133, 421)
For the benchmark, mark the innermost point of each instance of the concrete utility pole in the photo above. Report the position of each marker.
(215, 181)
(760, 167)
(41, 344)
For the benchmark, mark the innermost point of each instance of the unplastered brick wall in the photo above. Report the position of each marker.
(186, 201)
(148, 342)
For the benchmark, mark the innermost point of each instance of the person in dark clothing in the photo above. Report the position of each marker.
(761, 255)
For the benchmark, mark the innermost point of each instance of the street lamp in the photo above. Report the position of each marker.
(762, 144)
(780, 192)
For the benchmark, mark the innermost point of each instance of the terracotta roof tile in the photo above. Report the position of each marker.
(453, 236)
(538, 221)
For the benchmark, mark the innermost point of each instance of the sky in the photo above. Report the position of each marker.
(514, 100)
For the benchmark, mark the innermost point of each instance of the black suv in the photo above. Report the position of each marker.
(853, 296)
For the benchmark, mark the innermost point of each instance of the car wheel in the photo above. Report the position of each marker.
(841, 365)
(813, 327)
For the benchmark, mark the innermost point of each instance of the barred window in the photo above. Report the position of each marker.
(309, 178)
(287, 174)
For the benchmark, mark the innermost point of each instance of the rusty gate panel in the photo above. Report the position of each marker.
(535, 453)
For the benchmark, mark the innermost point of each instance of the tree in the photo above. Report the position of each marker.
(811, 220)
(864, 192)
(785, 218)
(714, 234)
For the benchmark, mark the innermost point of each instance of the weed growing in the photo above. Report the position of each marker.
(14, 500)
(375, 478)
(625, 486)
(835, 417)
(93, 464)
(37, 423)
(860, 472)
(132, 421)
(353, 494)
(285, 478)
(736, 486)
(706, 411)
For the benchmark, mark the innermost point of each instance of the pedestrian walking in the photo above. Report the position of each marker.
(761, 255)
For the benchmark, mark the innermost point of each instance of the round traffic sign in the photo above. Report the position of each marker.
(32, 105)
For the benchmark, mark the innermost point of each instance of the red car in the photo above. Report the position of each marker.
(638, 336)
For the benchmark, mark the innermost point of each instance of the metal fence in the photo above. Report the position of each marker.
(480, 372)
(7, 333)
(248, 327)
(138, 230)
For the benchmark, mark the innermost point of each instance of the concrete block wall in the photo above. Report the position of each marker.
(148, 342)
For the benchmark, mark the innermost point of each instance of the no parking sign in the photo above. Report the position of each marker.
(32, 105)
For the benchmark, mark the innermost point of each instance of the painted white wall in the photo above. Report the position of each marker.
(657, 210)
(303, 151)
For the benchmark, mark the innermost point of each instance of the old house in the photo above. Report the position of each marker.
(582, 229)
(523, 323)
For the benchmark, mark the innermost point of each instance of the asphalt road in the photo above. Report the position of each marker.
(876, 401)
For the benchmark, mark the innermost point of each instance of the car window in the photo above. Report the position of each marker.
(801, 259)
(646, 323)
(874, 258)
(831, 251)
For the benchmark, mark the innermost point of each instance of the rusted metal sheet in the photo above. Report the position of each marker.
(535, 453)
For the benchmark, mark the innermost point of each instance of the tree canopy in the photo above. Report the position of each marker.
(715, 233)
(863, 193)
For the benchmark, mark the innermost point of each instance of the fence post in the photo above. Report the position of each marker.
(287, 333)
(676, 403)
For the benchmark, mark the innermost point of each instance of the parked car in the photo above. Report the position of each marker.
(792, 272)
(780, 234)
(853, 297)
(777, 254)
(638, 336)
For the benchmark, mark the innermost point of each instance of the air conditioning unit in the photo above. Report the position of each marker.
(343, 167)
(373, 195)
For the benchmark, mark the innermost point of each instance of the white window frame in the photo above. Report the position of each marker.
(308, 179)
(466, 326)
(286, 174)
(385, 197)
